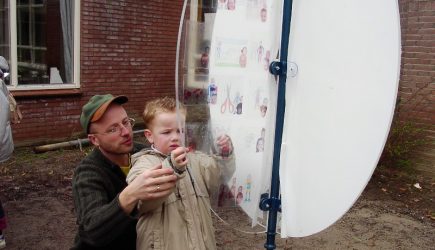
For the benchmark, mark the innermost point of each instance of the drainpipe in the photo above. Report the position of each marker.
(67, 144)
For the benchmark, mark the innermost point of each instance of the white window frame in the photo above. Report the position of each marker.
(14, 85)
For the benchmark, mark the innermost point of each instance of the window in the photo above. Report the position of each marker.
(40, 40)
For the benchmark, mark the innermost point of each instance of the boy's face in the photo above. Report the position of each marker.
(164, 132)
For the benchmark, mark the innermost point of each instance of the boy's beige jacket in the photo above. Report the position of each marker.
(182, 220)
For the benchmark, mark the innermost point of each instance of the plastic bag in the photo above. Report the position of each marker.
(15, 112)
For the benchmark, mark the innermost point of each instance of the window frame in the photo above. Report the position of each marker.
(14, 84)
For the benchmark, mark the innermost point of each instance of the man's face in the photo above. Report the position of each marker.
(164, 133)
(102, 135)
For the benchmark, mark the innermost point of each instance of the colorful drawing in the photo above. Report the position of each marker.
(239, 197)
(266, 60)
(248, 188)
(263, 14)
(260, 52)
(227, 104)
(222, 4)
(212, 92)
(230, 52)
(263, 107)
(260, 141)
(238, 101)
(231, 4)
(243, 59)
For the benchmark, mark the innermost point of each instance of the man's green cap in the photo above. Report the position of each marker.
(96, 107)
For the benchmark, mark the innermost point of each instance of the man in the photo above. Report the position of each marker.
(105, 206)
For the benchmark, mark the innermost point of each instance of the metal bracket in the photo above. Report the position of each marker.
(267, 203)
(278, 68)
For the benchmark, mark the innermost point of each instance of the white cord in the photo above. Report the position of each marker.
(236, 229)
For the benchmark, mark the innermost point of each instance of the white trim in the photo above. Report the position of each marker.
(13, 42)
(76, 65)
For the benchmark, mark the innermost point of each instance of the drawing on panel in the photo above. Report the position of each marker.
(231, 4)
(227, 105)
(230, 52)
(263, 107)
(238, 102)
(239, 197)
(222, 4)
(260, 141)
(260, 52)
(212, 92)
(248, 188)
(266, 60)
(243, 58)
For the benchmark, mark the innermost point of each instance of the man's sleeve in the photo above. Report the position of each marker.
(100, 219)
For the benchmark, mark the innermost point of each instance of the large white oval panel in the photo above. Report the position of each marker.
(339, 106)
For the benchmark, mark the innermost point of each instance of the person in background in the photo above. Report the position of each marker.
(6, 141)
(182, 220)
(105, 206)
(2, 226)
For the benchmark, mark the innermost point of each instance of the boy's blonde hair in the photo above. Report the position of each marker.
(160, 105)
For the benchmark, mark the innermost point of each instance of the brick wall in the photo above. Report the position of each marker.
(416, 100)
(127, 47)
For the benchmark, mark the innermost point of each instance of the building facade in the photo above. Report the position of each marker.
(63, 52)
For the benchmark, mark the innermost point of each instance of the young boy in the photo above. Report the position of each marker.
(182, 220)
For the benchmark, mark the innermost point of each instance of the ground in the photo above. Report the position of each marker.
(392, 213)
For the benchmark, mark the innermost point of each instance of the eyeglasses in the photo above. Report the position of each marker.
(117, 128)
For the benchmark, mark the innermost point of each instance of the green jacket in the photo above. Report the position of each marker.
(102, 223)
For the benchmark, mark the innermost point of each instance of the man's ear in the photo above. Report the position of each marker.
(149, 135)
(94, 140)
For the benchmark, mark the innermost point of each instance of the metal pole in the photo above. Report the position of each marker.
(273, 204)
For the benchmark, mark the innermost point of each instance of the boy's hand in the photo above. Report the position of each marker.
(179, 157)
(225, 145)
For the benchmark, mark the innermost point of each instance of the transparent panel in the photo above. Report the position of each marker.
(224, 83)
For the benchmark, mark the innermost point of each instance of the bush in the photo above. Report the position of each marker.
(404, 139)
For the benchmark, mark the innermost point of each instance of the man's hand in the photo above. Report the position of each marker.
(152, 184)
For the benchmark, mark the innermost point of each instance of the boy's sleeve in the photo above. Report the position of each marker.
(216, 169)
(141, 162)
(227, 166)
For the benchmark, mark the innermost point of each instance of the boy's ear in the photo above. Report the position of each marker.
(149, 135)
